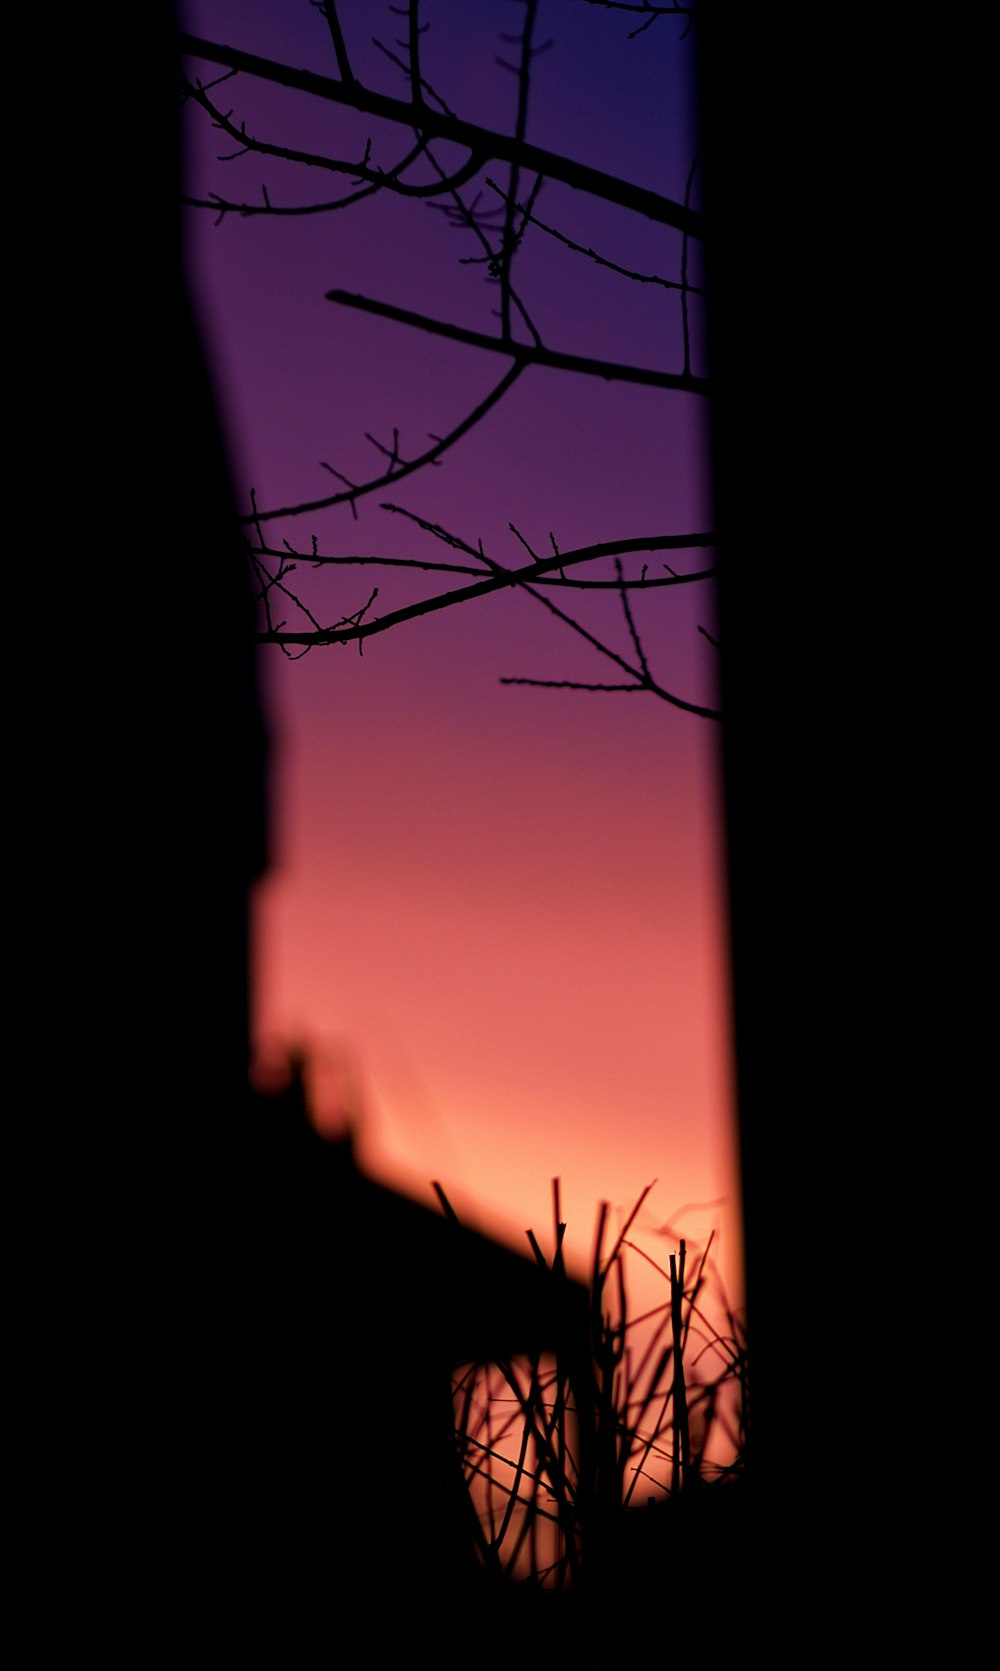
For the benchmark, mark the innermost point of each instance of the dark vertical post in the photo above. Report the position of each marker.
(845, 213)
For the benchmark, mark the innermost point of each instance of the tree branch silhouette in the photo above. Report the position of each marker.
(523, 353)
(525, 211)
(500, 223)
(329, 10)
(484, 143)
(356, 628)
(378, 179)
(645, 8)
(538, 568)
(431, 455)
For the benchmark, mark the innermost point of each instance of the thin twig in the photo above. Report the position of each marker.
(636, 640)
(523, 354)
(441, 446)
(329, 10)
(379, 179)
(583, 249)
(507, 242)
(643, 681)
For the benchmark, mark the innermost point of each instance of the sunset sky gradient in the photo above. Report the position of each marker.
(495, 916)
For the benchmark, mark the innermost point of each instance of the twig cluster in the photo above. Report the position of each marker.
(554, 1458)
(499, 219)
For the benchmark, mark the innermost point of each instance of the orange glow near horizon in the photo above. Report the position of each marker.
(497, 981)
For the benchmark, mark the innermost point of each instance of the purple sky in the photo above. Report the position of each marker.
(495, 911)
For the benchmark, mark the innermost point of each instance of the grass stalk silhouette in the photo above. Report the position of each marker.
(555, 1453)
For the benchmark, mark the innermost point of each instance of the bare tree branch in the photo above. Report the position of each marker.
(633, 633)
(522, 353)
(413, 45)
(357, 629)
(425, 85)
(684, 268)
(645, 583)
(641, 675)
(507, 241)
(583, 249)
(223, 206)
(499, 233)
(652, 13)
(390, 180)
(431, 456)
(462, 214)
(329, 10)
(483, 142)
